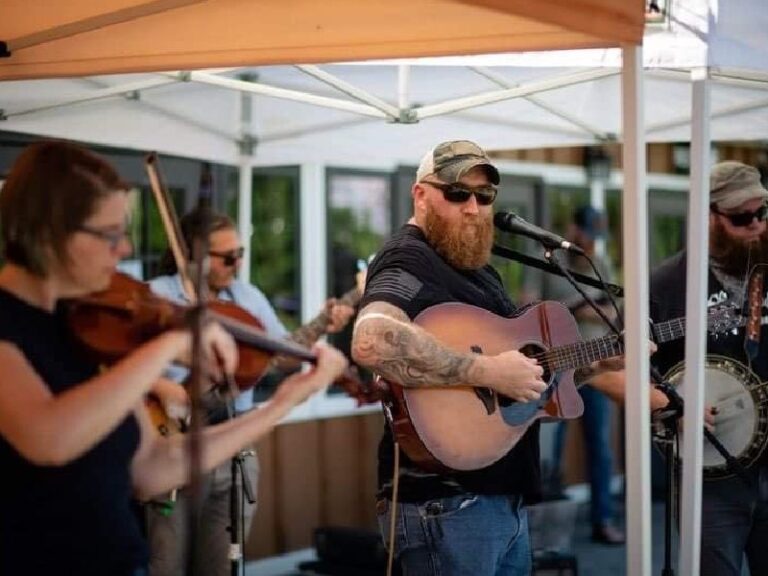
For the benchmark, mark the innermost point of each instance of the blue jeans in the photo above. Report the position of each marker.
(596, 425)
(734, 523)
(465, 535)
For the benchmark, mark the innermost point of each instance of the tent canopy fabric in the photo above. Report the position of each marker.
(200, 118)
(82, 37)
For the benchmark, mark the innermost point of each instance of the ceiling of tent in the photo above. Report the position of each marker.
(387, 112)
(81, 37)
(202, 120)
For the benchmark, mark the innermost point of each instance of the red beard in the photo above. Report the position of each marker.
(466, 246)
(734, 256)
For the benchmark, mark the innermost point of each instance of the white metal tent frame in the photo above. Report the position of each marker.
(368, 106)
(371, 108)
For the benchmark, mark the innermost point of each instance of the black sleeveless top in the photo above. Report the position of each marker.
(74, 519)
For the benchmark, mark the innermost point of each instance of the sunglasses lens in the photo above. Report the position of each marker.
(745, 218)
(484, 196)
(456, 195)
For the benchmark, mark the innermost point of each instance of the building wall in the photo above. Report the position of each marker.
(314, 473)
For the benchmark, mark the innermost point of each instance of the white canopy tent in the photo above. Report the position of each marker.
(710, 52)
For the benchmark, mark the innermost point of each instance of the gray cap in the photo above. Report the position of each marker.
(733, 183)
(449, 161)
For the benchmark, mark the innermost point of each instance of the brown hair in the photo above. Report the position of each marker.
(193, 225)
(52, 188)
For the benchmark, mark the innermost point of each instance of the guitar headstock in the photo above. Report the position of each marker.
(723, 318)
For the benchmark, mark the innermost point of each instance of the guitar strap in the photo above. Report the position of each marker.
(754, 322)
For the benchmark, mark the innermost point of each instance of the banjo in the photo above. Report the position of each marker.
(741, 422)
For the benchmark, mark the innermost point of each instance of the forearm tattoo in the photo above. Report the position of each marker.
(386, 342)
(306, 336)
(309, 333)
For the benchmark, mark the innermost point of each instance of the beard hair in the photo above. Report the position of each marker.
(734, 255)
(466, 246)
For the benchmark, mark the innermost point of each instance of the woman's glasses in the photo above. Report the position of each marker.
(743, 218)
(458, 193)
(229, 258)
(110, 236)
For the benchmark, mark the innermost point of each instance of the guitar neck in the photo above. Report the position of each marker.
(312, 330)
(584, 353)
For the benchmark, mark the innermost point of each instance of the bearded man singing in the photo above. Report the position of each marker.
(471, 522)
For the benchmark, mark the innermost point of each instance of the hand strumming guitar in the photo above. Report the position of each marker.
(510, 373)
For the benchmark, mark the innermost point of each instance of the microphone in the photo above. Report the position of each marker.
(511, 222)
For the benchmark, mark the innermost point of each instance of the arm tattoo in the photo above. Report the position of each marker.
(305, 335)
(311, 332)
(386, 342)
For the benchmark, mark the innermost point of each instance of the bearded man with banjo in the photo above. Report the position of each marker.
(734, 506)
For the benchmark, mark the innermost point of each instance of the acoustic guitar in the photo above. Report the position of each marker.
(446, 428)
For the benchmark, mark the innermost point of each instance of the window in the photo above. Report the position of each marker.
(275, 259)
(359, 222)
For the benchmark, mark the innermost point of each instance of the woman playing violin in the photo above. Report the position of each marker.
(75, 442)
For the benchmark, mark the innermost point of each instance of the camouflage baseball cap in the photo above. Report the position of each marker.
(733, 183)
(449, 161)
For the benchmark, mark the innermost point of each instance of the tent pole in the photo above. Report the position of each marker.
(635, 258)
(275, 92)
(403, 86)
(520, 91)
(721, 113)
(502, 82)
(696, 326)
(350, 90)
(245, 188)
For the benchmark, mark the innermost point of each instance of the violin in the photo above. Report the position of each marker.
(114, 322)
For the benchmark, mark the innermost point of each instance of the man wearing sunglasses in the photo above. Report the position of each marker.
(167, 531)
(734, 517)
(464, 522)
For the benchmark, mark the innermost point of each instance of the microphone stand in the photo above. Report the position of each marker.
(504, 252)
(240, 482)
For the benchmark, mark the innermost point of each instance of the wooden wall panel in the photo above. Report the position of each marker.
(340, 474)
(371, 431)
(314, 474)
(263, 538)
(298, 483)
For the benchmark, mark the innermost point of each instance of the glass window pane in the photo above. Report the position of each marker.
(359, 222)
(275, 250)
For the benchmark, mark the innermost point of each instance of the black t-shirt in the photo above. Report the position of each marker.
(409, 274)
(667, 301)
(74, 519)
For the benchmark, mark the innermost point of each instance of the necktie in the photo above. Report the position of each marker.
(752, 344)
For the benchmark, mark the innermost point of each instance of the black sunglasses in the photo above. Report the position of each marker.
(743, 218)
(459, 193)
(229, 258)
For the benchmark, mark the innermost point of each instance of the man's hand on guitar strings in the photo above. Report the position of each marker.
(512, 374)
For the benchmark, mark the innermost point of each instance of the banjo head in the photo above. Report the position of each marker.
(741, 422)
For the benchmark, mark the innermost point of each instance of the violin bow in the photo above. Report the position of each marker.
(170, 220)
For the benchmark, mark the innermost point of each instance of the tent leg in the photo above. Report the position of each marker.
(696, 326)
(635, 230)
